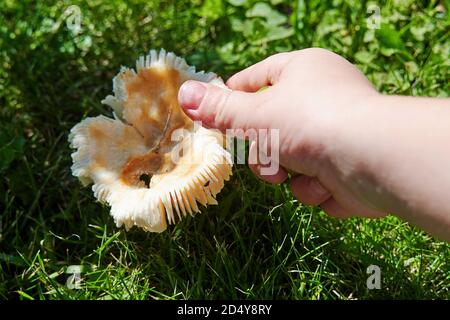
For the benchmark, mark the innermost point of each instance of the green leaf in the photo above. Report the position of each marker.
(11, 148)
(392, 43)
(364, 57)
(238, 3)
(389, 37)
(211, 9)
(419, 32)
(387, 51)
(252, 28)
(263, 10)
(236, 24)
(279, 32)
(227, 54)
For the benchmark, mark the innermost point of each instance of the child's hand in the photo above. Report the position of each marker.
(352, 146)
(310, 90)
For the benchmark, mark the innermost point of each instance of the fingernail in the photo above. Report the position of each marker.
(191, 94)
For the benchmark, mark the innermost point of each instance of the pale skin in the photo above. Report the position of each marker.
(355, 152)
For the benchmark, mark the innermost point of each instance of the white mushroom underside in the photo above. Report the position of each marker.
(104, 146)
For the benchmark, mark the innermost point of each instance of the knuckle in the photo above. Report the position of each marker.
(221, 110)
(278, 56)
(233, 81)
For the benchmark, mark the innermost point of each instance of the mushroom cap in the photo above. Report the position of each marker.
(151, 163)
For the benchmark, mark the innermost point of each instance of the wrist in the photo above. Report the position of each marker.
(354, 153)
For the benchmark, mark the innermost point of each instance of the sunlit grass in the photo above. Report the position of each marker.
(259, 242)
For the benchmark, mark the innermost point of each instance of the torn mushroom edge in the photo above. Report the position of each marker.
(155, 60)
(161, 202)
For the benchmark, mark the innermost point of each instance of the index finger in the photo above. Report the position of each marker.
(264, 73)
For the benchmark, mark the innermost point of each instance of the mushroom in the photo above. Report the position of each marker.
(152, 164)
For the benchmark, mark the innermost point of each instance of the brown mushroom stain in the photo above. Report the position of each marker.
(152, 102)
(152, 109)
(97, 133)
(137, 166)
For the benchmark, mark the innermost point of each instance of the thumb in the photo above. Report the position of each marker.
(220, 108)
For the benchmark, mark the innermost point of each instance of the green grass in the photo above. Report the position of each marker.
(259, 242)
